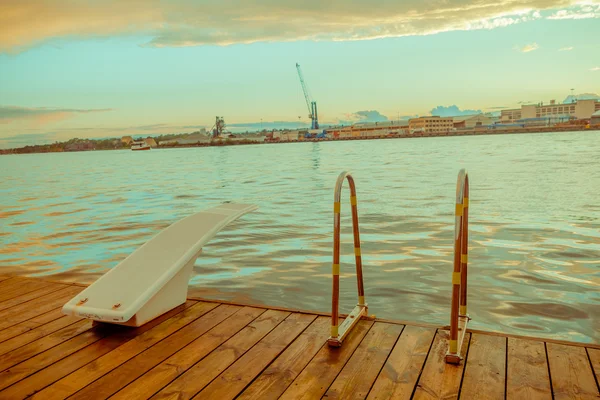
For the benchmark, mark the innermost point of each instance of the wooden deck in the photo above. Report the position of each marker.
(206, 349)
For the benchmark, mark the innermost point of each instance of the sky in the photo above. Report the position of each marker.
(93, 69)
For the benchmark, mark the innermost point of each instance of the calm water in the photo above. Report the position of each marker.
(535, 223)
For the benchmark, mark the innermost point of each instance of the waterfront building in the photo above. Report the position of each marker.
(595, 120)
(431, 124)
(580, 109)
(511, 115)
(150, 142)
(369, 129)
(472, 121)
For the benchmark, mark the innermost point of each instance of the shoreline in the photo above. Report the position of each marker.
(243, 141)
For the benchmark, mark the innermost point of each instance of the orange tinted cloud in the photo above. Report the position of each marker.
(28, 22)
(41, 115)
(218, 22)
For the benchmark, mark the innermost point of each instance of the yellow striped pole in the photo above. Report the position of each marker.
(458, 274)
(464, 249)
(356, 232)
(335, 270)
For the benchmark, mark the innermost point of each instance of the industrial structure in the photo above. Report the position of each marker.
(219, 127)
(310, 103)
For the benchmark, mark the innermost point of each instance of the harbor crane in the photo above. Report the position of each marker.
(310, 103)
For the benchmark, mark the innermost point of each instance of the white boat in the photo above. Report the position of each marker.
(140, 146)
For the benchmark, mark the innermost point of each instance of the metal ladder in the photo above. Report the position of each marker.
(458, 313)
(338, 333)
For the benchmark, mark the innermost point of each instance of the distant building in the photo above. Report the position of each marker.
(549, 120)
(471, 121)
(510, 116)
(284, 136)
(432, 124)
(581, 109)
(595, 120)
(127, 140)
(369, 129)
(150, 142)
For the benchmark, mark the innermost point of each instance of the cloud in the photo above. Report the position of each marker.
(370, 116)
(528, 48)
(41, 115)
(566, 48)
(595, 69)
(452, 111)
(180, 23)
(580, 11)
(358, 117)
(497, 108)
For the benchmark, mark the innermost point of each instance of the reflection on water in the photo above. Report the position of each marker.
(535, 230)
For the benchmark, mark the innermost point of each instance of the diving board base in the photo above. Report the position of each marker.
(172, 295)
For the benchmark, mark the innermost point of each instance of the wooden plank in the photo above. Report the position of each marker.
(193, 296)
(36, 333)
(32, 295)
(235, 378)
(440, 380)
(401, 371)
(160, 376)
(126, 373)
(33, 308)
(200, 375)
(10, 283)
(594, 355)
(54, 372)
(315, 379)
(527, 370)
(486, 367)
(54, 354)
(23, 288)
(545, 339)
(274, 380)
(571, 373)
(30, 324)
(29, 350)
(84, 376)
(358, 375)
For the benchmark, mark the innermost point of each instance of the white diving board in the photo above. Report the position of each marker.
(154, 278)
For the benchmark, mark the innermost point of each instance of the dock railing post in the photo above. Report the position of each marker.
(339, 332)
(458, 313)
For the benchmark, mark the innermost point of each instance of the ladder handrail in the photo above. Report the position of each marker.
(337, 334)
(459, 274)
